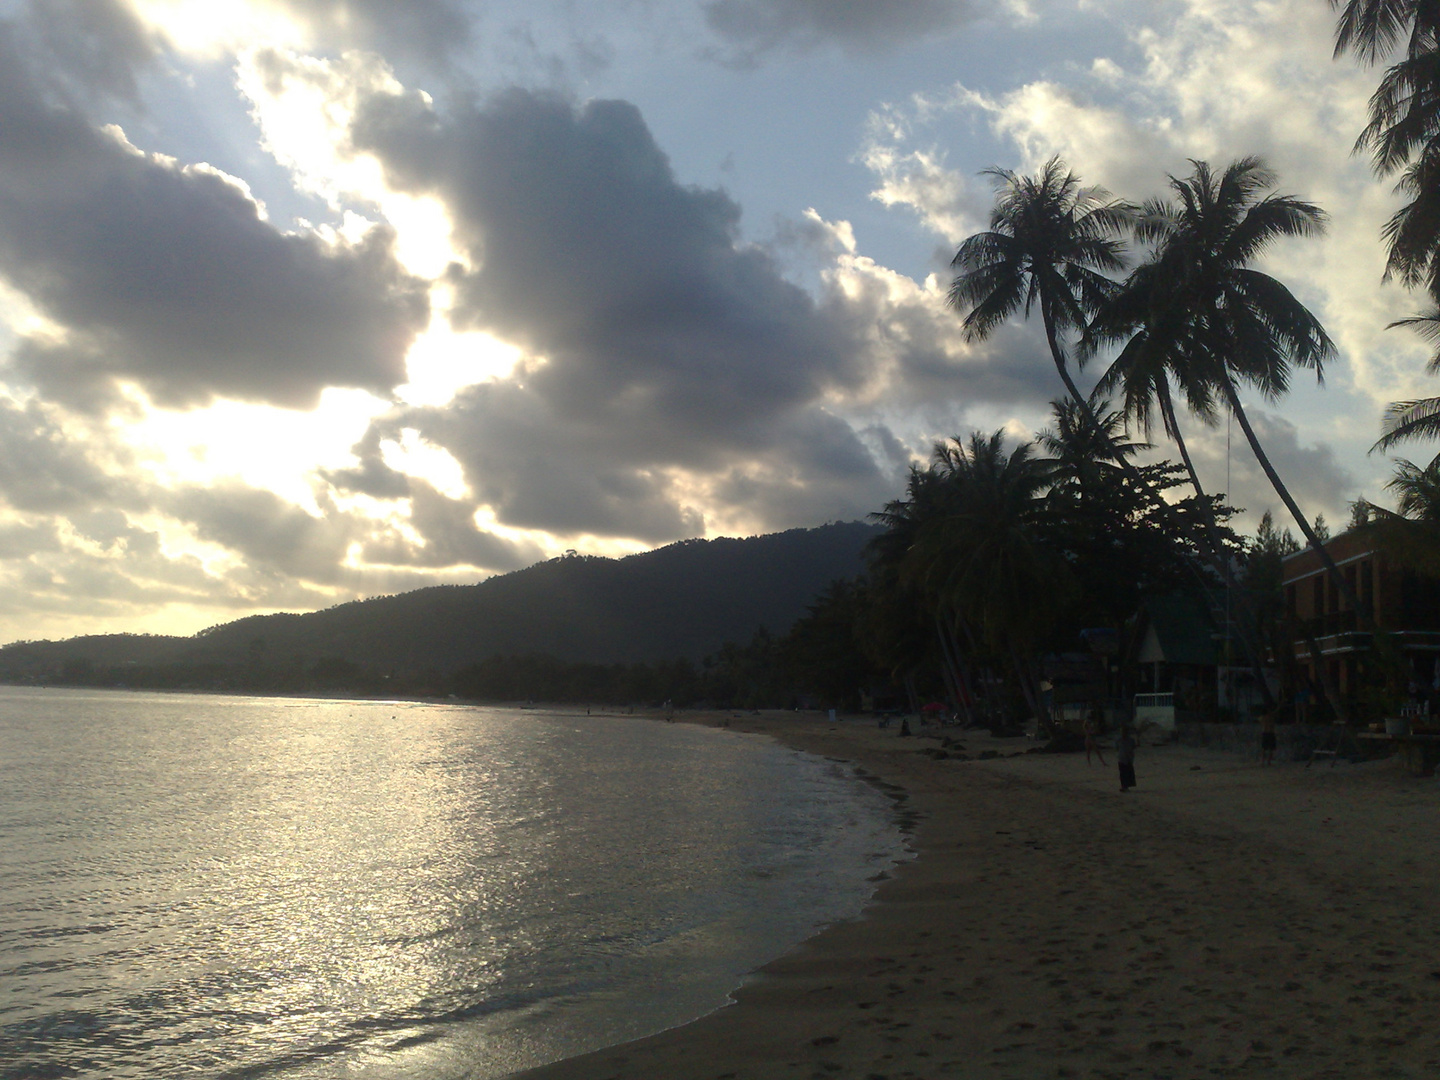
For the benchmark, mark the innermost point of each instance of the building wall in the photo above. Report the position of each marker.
(1391, 599)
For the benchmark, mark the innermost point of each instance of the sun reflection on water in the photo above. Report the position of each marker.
(229, 887)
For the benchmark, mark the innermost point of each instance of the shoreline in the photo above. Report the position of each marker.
(1223, 919)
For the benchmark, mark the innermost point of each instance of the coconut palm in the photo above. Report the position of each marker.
(1419, 418)
(1143, 372)
(984, 556)
(1086, 454)
(1051, 244)
(1417, 490)
(1403, 135)
(1372, 28)
(1204, 317)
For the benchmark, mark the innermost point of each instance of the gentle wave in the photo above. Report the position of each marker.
(233, 887)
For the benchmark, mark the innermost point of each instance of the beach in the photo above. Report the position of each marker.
(1223, 919)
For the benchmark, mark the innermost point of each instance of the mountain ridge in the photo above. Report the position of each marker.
(684, 600)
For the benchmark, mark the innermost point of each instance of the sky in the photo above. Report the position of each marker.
(303, 301)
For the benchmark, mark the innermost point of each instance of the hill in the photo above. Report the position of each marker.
(681, 601)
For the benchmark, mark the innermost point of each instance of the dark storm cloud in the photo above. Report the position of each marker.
(537, 471)
(665, 343)
(591, 254)
(372, 476)
(98, 44)
(170, 276)
(752, 28)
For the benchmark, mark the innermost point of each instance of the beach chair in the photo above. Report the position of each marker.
(1330, 747)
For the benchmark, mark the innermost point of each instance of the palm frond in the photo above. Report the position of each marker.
(1371, 29)
(1406, 420)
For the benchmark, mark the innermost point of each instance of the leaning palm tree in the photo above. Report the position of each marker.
(1140, 316)
(1051, 245)
(1206, 318)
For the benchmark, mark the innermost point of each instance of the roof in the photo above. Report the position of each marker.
(1183, 629)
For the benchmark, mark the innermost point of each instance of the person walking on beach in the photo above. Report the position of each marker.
(1092, 736)
(1125, 755)
(1267, 737)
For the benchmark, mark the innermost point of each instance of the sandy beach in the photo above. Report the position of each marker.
(1221, 920)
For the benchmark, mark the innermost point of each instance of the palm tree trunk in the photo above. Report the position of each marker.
(1058, 355)
(947, 664)
(965, 703)
(1212, 531)
(1331, 569)
(1131, 473)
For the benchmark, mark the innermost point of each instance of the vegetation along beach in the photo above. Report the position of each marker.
(515, 514)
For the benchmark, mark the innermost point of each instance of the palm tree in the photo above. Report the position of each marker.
(1403, 135)
(1051, 245)
(1143, 370)
(1212, 321)
(1372, 28)
(1420, 418)
(1086, 455)
(1417, 490)
(981, 553)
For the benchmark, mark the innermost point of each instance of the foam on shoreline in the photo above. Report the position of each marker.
(1223, 918)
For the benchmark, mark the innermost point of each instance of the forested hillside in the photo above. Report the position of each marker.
(683, 601)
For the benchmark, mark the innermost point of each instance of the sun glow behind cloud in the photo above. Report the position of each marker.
(279, 450)
(212, 28)
(442, 361)
(304, 107)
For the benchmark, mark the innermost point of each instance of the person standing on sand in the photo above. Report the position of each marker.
(1092, 734)
(1267, 737)
(1125, 755)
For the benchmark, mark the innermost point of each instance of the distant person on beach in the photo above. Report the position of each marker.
(1267, 737)
(1125, 755)
(1092, 736)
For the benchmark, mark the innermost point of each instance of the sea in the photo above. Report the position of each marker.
(236, 887)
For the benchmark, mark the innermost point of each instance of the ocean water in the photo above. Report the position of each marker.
(203, 886)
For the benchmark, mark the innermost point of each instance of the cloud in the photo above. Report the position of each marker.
(656, 343)
(1311, 472)
(449, 537)
(425, 30)
(99, 44)
(425, 27)
(169, 275)
(269, 532)
(44, 469)
(753, 28)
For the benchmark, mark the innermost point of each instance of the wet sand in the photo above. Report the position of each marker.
(1223, 919)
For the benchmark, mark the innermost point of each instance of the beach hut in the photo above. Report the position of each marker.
(1175, 652)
